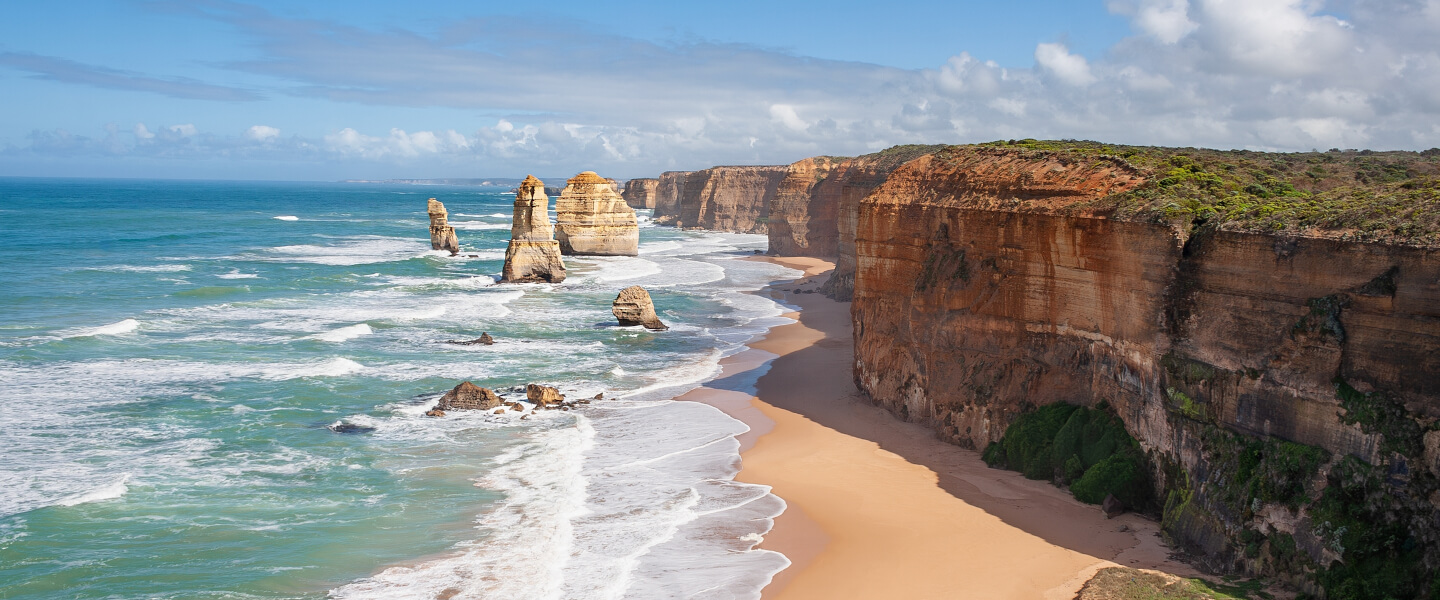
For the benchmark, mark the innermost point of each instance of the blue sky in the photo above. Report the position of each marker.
(371, 89)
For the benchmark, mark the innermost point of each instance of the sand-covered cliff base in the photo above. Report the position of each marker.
(880, 508)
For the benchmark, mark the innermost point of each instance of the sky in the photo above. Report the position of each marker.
(370, 89)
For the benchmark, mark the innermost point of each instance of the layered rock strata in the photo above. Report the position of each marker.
(592, 219)
(992, 280)
(633, 307)
(668, 190)
(533, 254)
(442, 235)
(815, 208)
(735, 199)
(640, 193)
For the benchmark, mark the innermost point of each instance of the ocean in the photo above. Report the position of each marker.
(217, 390)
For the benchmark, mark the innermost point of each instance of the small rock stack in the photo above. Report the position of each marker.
(633, 307)
(442, 235)
(533, 254)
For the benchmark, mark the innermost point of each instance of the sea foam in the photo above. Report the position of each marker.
(108, 492)
(345, 333)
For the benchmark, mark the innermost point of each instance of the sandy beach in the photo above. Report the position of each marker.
(879, 508)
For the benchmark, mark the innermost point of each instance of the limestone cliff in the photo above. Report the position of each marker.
(668, 190)
(533, 254)
(815, 206)
(640, 193)
(735, 199)
(1264, 326)
(442, 235)
(591, 218)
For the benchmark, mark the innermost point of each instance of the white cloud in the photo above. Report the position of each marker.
(141, 132)
(1069, 68)
(784, 114)
(186, 130)
(261, 133)
(1166, 20)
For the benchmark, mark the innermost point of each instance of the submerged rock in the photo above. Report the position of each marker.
(633, 307)
(468, 396)
(591, 218)
(349, 428)
(484, 339)
(434, 412)
(533, 254)
(543, 395)
(442, 235)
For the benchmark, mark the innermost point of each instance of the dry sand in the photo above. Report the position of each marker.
(881, 509)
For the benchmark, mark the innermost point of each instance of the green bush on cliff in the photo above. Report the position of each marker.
(1362, 518)
(1087, 448)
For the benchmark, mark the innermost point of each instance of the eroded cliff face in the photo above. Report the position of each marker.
(668, 190)
(640, 193)
(735, 199)
(533, 255)
(987, 282)
(591, 218)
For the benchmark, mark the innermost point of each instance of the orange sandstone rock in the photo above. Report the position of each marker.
(591, 218)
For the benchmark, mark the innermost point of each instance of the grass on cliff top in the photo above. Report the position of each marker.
(1123, 583)
(1388, 197)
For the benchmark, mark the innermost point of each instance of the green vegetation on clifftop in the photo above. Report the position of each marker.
(1391, 197)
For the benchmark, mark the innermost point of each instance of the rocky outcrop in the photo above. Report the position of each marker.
(735, 199)
(468, 396)
(592, 219)
(640, 193)
(668, 191)
(442, 235)
(991, 280)
(633, 307)
(533, 254)
(543, 395)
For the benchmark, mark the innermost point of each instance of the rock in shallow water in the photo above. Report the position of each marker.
(633, 307)
(468, 396)
(543, 395)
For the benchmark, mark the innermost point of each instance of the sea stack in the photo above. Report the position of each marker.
(533, 254)
(442, 235)
(592, 219)
(640, 193)
(633, 307)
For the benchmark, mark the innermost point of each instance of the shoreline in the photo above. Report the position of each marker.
(868, 494)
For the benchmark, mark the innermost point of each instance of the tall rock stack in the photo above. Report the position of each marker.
(640, 193)
(591, 218)
(442, 235)
(533, 254)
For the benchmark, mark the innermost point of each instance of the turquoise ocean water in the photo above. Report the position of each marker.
(216, 390)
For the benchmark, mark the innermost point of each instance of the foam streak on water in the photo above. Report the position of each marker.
(238, 410)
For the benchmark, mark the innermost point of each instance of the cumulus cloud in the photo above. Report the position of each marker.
(261, 133)
(1069, 68)
(1166, 20)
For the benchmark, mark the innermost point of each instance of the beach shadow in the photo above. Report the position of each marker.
(828, 396)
